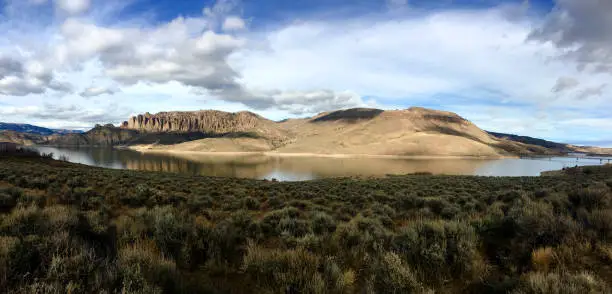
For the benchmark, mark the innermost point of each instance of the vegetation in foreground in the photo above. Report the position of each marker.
(67, 228)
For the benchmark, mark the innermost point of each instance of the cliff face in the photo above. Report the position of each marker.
(208, 121)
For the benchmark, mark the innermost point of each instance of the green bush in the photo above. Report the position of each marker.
(441, 250)
(322, 223)
(391, 274)
(360, 237)
(290, 271)
(143, 269)
(593, 197)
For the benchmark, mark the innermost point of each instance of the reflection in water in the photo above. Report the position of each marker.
(306, 168)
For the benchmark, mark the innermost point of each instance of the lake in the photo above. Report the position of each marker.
(308, 168)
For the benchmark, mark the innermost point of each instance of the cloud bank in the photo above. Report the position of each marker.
(500, 66)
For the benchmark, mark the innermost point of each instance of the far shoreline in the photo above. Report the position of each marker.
(145, 149)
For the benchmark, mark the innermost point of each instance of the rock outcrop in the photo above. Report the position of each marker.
(208, 121)
(211, 123)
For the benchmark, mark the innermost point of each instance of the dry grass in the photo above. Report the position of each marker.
(542, 259)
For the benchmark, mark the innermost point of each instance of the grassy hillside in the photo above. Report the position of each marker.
(22, 138)
(78, 229)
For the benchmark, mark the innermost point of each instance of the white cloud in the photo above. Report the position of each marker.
(435, 58)
(406, 58)
(94, 91)
(20, 78)
(12, 110)
(596, 91)
(73, 6)
(582, 29)
(565, 83)
(233, 23)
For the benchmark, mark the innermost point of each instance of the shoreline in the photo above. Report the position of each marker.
(143, 149)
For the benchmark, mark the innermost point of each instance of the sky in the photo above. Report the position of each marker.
(534, 68)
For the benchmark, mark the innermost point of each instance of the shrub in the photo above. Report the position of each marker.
(199, 202)
(322, 223)
(276, 222)
(595, 196)
(359, 237)
(290, 271)
(23, 259)
(561, 283)
(168, 228)
(82, 268)
(527, 225)
(600, 220)
(23, 221)
(58, 218)
(7, 201)
(40, 183)
(144, 270)
(7, 246)
(338, 281)
(390, 274)
(228, 238)
(441, 250)
(542, 259)
(251, 203)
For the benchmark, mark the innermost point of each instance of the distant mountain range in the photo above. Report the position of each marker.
(35, 130)
(554, 146)
(360, 131)
(534, 141)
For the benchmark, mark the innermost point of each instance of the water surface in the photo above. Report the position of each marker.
(307, 168)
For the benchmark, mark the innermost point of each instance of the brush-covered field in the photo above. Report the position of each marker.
(67, 228)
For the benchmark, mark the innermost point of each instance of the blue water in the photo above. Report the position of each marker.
(307, 168)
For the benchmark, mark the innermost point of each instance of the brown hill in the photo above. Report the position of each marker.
(410, 132)
(414, 131)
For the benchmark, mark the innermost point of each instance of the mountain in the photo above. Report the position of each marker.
(414, 131)
(359, 131)
(107, 135)
(31, 129)
(553, 146)
(534, 141)
(22, 138)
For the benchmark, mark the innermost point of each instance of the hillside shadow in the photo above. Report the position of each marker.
(349, 115)
(177, 138)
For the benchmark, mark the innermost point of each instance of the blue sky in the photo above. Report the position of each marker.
(538, 68)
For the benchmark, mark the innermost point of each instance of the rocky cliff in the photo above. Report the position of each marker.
(212, 123)
(208, 121)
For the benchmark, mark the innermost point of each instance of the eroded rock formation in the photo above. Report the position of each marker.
(208, 121)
